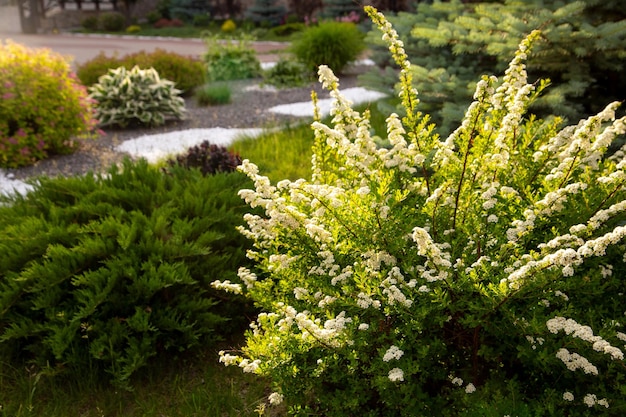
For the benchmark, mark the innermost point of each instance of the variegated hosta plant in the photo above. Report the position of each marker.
(136, 96)
(478, 274)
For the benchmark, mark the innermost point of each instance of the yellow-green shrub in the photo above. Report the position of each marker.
(133, 29)
(229, 26)
(42, 108)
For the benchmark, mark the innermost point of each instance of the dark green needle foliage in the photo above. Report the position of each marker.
(582, 52)
(108, 272)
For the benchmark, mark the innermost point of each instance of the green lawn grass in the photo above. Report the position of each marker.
(194, 385)
(286, 153)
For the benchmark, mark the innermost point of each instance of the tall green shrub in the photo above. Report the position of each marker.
(107, 273)
(334, 44)
(453, 43)
(481, 274)
(43, 109)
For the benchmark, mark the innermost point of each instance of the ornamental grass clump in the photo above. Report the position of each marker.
(43, 107)
(334, 44)
(478, 274)
(136, 96)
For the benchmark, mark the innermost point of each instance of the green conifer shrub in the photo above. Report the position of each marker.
(187, 10)
(335, 44)
(185, 71)
(136, 96)
(43, 108)
(230, 59)
(479, 274)
(336, 9)
(109, 272)
(266, 13)
(453, 43)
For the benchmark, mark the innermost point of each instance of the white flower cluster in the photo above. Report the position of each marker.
(571, 327)
(394, 352)
(586, 144)
(328, 334)
(567, 258)
(396, 375)
(591, 399)
(275, 398)
(227, 286)
(247, 277)
(428, 248)
(574, 361)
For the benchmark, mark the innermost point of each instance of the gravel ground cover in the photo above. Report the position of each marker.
(248, 112)
(248, 109)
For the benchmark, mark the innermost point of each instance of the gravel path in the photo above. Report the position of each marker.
(248, 108)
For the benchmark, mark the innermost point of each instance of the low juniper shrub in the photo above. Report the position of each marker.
(481, 274)
(106, 273)
(209, 158)
(137, 96)
(43, 107)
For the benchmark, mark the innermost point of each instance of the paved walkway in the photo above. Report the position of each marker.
(82, 48)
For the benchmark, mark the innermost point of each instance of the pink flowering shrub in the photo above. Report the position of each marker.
(43, 108)
(479, 274)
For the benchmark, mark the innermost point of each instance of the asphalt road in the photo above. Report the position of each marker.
(81, 48)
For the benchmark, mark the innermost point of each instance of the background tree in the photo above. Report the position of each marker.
(305, 9)
(453, 43)
(223, 8)
(392, 5)
(187, 9)
(266, 12)
(338, 8)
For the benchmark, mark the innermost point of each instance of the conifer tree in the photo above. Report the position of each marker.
(266, 12)
(454, 43)
(337, 8)
(187, 9)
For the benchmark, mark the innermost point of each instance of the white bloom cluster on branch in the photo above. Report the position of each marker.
(571, 327)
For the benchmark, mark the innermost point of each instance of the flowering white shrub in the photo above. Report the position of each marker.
(434, 276)
(138, 95)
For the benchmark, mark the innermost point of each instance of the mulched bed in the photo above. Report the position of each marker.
(247, 109)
